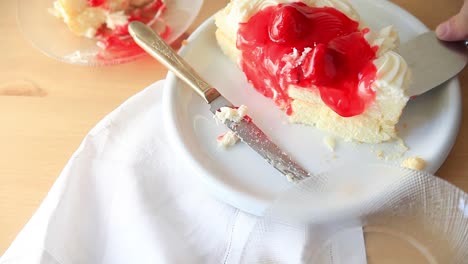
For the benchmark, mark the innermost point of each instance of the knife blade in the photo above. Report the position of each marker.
(432, 61)
(247, 131)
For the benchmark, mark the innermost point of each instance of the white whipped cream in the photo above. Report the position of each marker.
(342, 5)
(386, 39)
(293, 59)
(59, 11)
(90, 32)
(116, 19)
(232, 114)
(84, 20)
(227, 140)
(391, 70)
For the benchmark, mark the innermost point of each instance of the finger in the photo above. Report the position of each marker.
(456, 28)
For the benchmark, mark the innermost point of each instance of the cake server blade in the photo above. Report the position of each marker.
(246, 130)
(432, 61)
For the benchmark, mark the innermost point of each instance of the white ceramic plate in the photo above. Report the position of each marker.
(51, 36)
(239, 176)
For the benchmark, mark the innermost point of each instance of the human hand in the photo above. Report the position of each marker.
(456, 27)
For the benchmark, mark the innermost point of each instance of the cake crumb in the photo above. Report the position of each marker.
(184, 42)
(380, 154)
(227, 140)
(330, 142)
(402, 146)
(290, 177)
(234, 114)
(415, 163)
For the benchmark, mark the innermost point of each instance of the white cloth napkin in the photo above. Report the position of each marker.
(125, 197)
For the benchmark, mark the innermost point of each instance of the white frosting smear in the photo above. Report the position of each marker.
(228, 140)
(232, 114)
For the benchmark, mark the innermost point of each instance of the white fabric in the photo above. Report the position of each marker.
(125, 197)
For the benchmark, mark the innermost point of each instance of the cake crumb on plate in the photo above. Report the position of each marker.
(415, 163)
(330, 142)
(380, 154)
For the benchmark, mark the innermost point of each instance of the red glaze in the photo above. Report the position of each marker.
(246, 118)
(118, 42)
(312, 48)
(95, 3)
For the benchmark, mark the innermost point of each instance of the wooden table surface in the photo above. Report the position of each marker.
(47, 107)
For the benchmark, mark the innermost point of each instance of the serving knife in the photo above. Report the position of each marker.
(432, 61)
(246, 130)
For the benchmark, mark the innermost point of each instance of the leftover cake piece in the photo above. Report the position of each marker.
(107, 22)
(92, 18)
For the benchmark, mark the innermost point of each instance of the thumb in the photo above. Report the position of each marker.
(456, 28)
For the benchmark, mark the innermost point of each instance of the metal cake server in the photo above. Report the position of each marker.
(247, 131)
(432, 61)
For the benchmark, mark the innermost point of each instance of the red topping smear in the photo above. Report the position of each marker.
(312, 48)
(117, 42)
(95, 3)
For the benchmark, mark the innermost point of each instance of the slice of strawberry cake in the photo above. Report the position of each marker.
(320, 63)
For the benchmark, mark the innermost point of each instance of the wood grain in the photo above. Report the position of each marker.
(47, 107)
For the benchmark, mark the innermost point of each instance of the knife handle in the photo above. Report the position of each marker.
(152, 43)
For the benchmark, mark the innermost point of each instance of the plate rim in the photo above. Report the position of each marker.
(241, 200)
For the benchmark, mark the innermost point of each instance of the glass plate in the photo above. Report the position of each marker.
(405, 217)
(52, 36)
